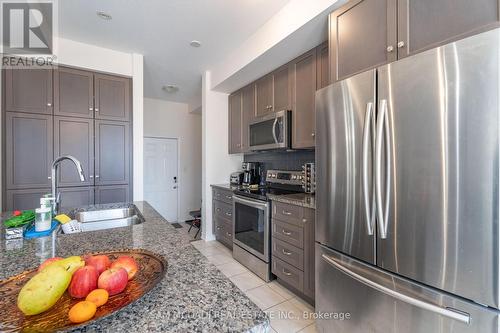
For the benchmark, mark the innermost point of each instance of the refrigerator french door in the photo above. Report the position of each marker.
(414, 176)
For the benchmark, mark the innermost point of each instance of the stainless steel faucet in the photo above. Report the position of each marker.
(53, 175)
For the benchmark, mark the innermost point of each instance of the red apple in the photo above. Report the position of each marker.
(100, 262)
(48, 262)
(128, 263)
(84, 280)
(114, 280)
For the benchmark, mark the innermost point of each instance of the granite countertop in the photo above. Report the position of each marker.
(228, 187)
(299, 199)
(194, 296)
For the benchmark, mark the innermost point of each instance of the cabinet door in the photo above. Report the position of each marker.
(28, 90)
(29, 150)
(24, 199)
(322, 66)
(112, 194)
(112, 152)
(281, 89)
(264, 95)
(112, 97)
(309, 252)
(303, 114)
(74, 136)
(248, 114)
(235, 120)
(362, 36)
(424, 24)
(73, 93)
(74, 197)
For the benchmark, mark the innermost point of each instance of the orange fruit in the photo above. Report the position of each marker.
(98, 296)
(82, 311)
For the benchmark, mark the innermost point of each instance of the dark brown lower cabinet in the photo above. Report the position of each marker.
(112, 194)
(74, 197)
(222, 213)
(292, 246)
(23, 199)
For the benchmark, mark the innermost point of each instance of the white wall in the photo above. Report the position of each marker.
(173, 120)
(217, 163)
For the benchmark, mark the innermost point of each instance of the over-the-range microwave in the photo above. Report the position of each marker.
(272, 131)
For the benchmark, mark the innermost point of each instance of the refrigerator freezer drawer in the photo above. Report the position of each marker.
(371, 300)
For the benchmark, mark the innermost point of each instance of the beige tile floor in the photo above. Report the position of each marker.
(271, 297)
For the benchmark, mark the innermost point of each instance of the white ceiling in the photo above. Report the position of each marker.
(162, 29)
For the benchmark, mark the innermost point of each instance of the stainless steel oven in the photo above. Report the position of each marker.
(251, 235)
(271, 131)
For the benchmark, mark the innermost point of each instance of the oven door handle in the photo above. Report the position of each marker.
(251, 203)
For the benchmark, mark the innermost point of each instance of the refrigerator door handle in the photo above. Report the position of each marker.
(447, 312)
(367, 130)
(382, 126)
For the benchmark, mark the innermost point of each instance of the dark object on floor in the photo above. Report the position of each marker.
(196, 222)
(176, 225)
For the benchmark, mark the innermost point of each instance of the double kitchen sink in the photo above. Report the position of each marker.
(108, 218)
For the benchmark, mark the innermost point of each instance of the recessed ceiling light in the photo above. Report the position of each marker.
(171, 88)
(195, 43)
(104, 16)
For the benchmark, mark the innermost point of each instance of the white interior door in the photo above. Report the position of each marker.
(160, 176)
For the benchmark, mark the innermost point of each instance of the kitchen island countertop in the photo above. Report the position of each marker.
(194, 296)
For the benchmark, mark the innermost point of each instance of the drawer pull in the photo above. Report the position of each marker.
(218, 209)
(229, 234)
(286, 232)
(229, 214)
(286, 252)
(219, 227)
(286, 272)
(286, 213)
(229, 197)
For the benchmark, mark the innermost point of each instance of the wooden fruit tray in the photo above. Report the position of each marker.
(152, 269)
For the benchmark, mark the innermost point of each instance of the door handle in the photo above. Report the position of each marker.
(382, 127)
(274, 130)
(447, 312)
(366, 141)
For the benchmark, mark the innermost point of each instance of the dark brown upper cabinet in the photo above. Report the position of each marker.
(73, 93)
(29, 90)
(264, 95)
(368, 33)
(282, 89)
(29, 150)
(423, 24)
(304, 88)
(112, 152)
(112, 97)
(322, 66)
(362, 36)
(235, 122)
(248, 114)
(74, 136)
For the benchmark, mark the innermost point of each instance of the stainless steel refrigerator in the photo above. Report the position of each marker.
(408, 175)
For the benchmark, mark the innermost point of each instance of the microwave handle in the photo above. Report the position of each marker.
(274, 130)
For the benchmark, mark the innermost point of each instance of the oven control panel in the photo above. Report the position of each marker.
(284, 177)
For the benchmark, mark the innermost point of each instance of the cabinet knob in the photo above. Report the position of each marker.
(49, 178)
(91, 176)
(96, 176)
(96, 110)
(313, 134)
(304, 220)
(91, 109)
(49, 104)
(390, 48)
(401, 44)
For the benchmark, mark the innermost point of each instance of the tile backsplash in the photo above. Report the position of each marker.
(281, 160)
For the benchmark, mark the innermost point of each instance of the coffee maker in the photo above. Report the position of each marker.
(251, 173)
